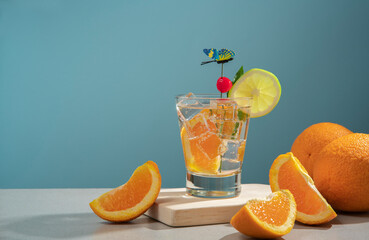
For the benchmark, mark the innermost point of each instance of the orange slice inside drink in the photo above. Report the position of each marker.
(201, 144)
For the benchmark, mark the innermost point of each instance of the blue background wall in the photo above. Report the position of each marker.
(87, 87)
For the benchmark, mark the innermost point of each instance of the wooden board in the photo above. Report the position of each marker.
(175, 208)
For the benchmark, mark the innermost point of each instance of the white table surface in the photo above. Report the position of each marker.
(65, 214)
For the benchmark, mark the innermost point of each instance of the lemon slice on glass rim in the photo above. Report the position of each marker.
(262, 86)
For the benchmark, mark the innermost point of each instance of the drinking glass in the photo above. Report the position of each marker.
(213, 133)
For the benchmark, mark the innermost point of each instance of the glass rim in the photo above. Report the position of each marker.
(212, 96)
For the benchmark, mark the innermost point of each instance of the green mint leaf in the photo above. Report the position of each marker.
(242, 116)
(238, 74)
(235, 130)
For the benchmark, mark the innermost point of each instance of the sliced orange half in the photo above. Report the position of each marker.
(288, 173)
(133, 198)
(270, 218)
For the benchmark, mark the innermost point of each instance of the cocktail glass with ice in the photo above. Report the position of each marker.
(213, 132)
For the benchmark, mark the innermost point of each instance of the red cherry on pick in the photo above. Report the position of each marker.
(224, 84)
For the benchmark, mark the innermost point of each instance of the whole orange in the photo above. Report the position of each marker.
(309, 143)
(341, 172)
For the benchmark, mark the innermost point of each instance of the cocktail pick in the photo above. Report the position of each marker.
(222, 56)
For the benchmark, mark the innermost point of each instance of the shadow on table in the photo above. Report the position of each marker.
(240, 236)
(351, 218)
(324, 226)
(72, 225)
(148, 222)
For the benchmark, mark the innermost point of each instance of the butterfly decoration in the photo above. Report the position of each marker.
(221, 56)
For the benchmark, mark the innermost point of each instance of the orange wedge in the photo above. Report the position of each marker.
(288, 173)
(201, 144)
(270, 218)
(133, 198)
(195, 158)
